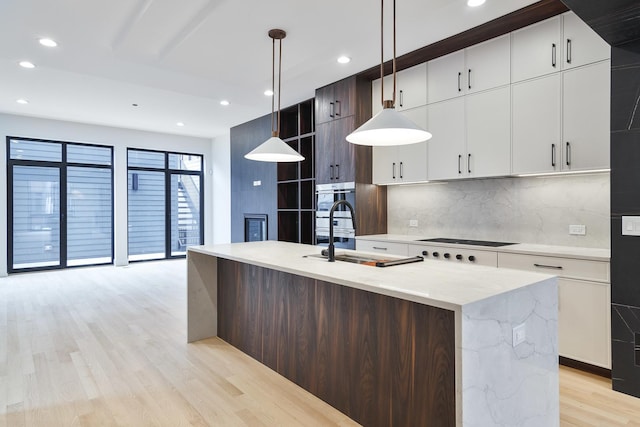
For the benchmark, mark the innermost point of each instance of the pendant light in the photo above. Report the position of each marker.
(388, 127)
(275, 149)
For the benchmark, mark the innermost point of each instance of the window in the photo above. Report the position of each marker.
(164, 204)
(60, 204)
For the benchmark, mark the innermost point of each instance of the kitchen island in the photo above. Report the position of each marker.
(417, 344)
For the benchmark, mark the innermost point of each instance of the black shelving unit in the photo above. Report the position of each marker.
(296, 181)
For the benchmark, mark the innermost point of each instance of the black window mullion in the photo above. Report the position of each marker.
(167, 207)
(63, 208)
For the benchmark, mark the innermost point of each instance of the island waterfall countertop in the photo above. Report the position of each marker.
(429, 282)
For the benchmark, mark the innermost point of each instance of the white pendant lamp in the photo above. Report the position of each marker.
(388, 127)
(274, 149)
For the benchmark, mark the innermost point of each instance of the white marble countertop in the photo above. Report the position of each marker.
(429, 282)
(594, 254)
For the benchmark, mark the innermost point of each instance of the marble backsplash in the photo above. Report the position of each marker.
(522, 210)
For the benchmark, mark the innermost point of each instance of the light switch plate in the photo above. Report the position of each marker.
(519, 334)
(631, 225)
(257, 183)
(413, 223)
(578, 230)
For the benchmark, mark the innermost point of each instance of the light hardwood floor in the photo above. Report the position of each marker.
(107, 346)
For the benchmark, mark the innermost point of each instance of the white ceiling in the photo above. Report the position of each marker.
(178, 59)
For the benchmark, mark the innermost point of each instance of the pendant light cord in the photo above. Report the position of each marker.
(279, 80)
(273, 84)
(382, 53)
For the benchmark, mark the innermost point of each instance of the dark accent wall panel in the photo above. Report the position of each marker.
(616, 21)
(245, 198)
(380, 360)
(625, 200)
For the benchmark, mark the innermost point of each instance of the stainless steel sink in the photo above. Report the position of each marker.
(369, 259)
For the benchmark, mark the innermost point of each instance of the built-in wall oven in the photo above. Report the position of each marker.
(344, 235)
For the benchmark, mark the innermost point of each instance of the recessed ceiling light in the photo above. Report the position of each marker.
(27, 64)
(475, 3)
(344, 60)
(22, 101)
(48, 42)
(268, 92)
(224, 102)
(180, 124)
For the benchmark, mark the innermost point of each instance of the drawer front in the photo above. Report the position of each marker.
(382, 247)
(562, 267)
(457, 255)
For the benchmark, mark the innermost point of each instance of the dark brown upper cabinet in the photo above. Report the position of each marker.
(336, 101)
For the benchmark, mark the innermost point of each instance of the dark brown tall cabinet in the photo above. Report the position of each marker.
(296, 181)
(340, 108)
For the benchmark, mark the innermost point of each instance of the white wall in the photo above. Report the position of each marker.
(120, 139)
(522, 210)
(221, 201)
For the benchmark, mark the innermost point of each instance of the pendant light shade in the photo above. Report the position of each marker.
(388, 127)
(275, 149)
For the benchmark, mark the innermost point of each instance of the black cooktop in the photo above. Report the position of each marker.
(467, 242)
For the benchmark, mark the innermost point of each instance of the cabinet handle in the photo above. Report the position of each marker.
(459, 161)
(553, 55)
(401, 97)
(401, 170)
(469, 163)
(469, 78)
(553, 155)
(339, 104)
(568, 51)
(459, 87)
(379, 248)
(568, 154)
(331, 167)
(332, 110)
(553, 267)
(337, 171)
(394, 171)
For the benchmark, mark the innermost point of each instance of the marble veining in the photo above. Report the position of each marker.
(505, 385)
(533, 209)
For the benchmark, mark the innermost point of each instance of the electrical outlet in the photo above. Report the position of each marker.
(578, 230)
(519, 334)
(413, 223)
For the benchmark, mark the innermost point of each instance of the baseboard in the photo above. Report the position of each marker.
(587, 367)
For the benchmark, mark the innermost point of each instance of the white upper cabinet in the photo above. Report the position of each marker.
(582, 45)
(536, 128)
(447, 77)
(488, 64)
(411, 91)
(404, 163)
(536, 50)
(446, 150)
(489, 133)
(586, 117)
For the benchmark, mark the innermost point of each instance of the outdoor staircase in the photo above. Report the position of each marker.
(188, 230)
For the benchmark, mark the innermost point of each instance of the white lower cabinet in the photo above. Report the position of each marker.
(584, 321)
(584, 304)
(389, 248)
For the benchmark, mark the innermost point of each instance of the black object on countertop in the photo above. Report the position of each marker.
(467, 242)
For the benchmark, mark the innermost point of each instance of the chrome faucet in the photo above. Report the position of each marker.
(332, 248)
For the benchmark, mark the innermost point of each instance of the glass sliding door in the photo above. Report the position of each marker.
(60, 204)
(36, 217)
(165, 196)
(146, 215)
